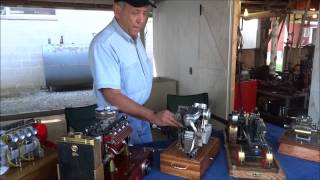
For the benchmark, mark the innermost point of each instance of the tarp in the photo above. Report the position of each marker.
(314, 101)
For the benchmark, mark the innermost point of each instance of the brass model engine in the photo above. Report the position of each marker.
(196, 129)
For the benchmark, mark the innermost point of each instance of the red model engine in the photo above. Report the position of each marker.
(112, 129)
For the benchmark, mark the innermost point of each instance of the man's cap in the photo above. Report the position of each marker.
(138, 3)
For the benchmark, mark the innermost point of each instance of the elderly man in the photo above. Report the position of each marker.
(122, 72)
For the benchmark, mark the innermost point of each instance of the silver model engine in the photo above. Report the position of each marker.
(18, 143)
(196, 130)
(304, 128)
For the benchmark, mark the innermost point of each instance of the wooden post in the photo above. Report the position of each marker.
(234, 47)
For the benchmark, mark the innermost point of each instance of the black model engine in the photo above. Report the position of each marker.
(248, 130)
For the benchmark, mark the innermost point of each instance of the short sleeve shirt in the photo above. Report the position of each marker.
(119, 62)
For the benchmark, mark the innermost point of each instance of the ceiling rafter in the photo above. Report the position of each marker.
(71, 4)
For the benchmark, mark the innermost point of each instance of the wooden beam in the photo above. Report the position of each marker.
(234, 48)
(258, 15)
(264, 2)
(73, 4)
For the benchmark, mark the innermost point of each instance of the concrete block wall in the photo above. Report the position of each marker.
(21, 53)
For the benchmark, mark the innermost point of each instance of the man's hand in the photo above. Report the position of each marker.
(126, 105)
(166, 118)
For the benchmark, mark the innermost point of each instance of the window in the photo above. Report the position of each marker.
(23, 10)
(27, 13)
(39, 11)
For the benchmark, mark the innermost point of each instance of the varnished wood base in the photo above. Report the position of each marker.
(303, 150)
(40, 168)
(253, 169)
(174, 161)
(130, 167)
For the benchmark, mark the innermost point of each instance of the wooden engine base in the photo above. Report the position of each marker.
(175, 162)
(250, 169)
(131, 167)
(40, 168)
(303, 150)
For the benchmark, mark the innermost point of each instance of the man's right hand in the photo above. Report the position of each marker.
(166, 118)
(126, 105)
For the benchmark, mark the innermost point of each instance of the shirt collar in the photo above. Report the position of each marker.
(122, 33)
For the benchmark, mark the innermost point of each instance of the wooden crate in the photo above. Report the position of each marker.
(175, 162)
(308, 151)
(251, 169)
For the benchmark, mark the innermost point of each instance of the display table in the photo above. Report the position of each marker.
(293, 168)
(42, 168)
(286, 97)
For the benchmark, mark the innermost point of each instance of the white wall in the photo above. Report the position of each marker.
(176, 41)
(185, 39)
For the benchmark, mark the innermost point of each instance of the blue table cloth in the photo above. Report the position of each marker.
(294, 168)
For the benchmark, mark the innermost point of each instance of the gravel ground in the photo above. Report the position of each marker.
(44, 100)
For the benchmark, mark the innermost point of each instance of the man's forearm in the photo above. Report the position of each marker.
(126, 105)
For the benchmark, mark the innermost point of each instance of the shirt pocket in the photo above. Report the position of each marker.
(133, 78)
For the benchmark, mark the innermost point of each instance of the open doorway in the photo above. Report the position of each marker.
(276, 49)
(28, 35)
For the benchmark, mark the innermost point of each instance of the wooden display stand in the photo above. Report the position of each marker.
(130, 167)
(41, 168)
(308, 151)
(174, 161)
(252, 169)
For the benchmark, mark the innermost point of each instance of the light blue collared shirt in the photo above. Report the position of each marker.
(119, 62)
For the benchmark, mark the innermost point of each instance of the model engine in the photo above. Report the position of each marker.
(248, 130)
(19, 143)
(304, 128)
(107, 139)
(196, 130)
(112, 129)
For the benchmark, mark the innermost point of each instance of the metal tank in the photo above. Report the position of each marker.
(66, 66)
